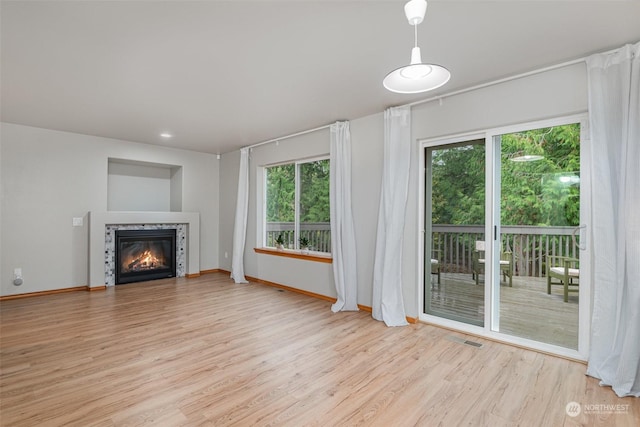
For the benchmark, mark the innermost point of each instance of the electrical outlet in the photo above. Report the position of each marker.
(17, 276)
(226, 255)
(77, 222)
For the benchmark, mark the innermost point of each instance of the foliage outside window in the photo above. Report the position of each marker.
(458, 184)
(297, 205)
(544, 192)
(541, 193)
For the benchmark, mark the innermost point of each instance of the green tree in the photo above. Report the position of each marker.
(543, 192)
(458, 185)
(314, 191)
(281, 193)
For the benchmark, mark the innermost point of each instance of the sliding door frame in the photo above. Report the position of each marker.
(492, 225)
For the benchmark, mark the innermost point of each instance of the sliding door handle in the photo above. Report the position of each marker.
(582, 245)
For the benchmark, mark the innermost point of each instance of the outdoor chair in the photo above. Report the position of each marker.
(506, 263)
(563, 271)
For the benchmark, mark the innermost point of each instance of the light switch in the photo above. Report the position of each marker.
(77, 222)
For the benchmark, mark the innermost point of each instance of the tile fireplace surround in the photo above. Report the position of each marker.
(102, 223)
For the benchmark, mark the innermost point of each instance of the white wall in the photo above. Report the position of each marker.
(551, 94)
(175, 190)
(229, 166)
(367, 148)
(49, 177)
(135, 187)
(310, 276)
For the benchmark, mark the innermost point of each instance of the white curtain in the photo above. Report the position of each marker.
(388, 304)
(343, 237)
(240, 225)
(614, 115)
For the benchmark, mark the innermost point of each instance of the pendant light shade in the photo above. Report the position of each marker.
(417, 76)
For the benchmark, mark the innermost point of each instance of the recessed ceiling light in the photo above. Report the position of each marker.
(166, 135)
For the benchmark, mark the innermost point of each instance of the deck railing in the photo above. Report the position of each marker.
(318, 233)
(529, 245)
(455, 244)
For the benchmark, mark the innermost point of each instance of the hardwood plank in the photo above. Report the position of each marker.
(205, 351)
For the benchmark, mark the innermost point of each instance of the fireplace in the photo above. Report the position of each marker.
(144, 255)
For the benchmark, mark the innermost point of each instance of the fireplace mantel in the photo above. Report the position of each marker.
(99, 220)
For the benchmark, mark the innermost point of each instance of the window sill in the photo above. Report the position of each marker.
(288, 253)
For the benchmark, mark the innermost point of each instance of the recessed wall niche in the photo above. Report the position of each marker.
(135, 186)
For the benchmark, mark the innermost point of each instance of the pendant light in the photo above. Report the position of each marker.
(417, 76)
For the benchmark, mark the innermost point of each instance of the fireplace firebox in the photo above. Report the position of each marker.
(142, 255)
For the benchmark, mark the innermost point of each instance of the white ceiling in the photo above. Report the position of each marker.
(224, 74)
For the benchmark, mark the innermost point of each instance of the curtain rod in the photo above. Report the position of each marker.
(287, 136)
(457, 92)
(507, 79)
(495, 82)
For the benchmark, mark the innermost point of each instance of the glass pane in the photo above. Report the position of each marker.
(281, 198)
(455, 217)
(539, 210)
(315, 225)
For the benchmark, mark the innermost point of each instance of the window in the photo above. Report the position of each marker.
(297, 205)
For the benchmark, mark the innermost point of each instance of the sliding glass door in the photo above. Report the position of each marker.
(502, 233)
(455, 204)
(538, 189)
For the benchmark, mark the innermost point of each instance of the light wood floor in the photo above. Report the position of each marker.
(208, 352)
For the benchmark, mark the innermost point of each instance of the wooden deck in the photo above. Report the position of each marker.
(526, 310)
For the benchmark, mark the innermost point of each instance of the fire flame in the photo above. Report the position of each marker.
(146, 260)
